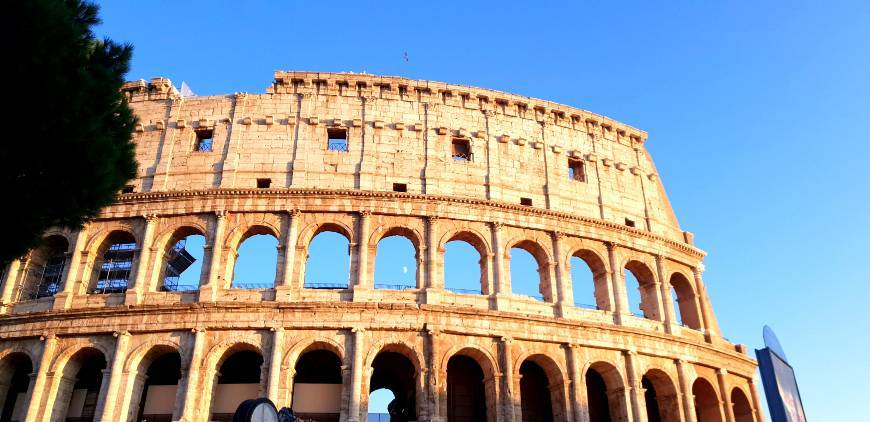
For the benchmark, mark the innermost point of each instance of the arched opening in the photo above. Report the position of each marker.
(317, 386)
(706, 402)
(604, 393)
(237, 380)
(256, 261)
(535, 393)
(78, 392)
(529, 275)
(379, 405)
(660, 396)
(15, 371)
(395, 263)
(45, 269)
(596, 397)
(183, 261)
(686, 301)
(589, 280)
(113, 269)
(640, 287)
(464, 265)
(327, 265)
(742, 409)
(466, 392)
(395, 372)
(159, 386)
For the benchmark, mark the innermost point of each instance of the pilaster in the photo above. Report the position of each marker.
(190, 411)
(134, 292)
(208, 291)
(356, 376)
(115, 374)
(36, 409)
(285, 285)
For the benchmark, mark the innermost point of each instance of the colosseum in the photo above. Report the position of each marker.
(95, 325)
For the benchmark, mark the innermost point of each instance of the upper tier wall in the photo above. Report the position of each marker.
(400, 131)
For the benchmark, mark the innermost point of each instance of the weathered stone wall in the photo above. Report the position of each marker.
(399, 132)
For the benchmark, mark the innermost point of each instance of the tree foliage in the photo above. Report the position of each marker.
(72, 150)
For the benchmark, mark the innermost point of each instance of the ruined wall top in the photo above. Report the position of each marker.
(401, 135)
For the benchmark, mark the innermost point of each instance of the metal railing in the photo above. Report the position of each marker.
(179, 287)
(464, 291)
(585, 306)
(394, 286)
(326, 286)
(340, 146)
(252, 286)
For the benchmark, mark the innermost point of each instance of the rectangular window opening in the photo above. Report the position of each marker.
(576, 171)
(400, 187)
(461, 149)
(526, 201)
(264, 183)
(629, 222)
(204, 139)
(336, 139)
(128, 189)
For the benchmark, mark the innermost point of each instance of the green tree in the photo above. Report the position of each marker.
(71, 151)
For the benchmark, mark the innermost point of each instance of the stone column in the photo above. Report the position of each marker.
(757, 413)
(190, 411)
(134, 293)
(563, 277)
(275, 366)
(434, 285)
(711, 327)
(669, 315)
(638, 402)
(578, 388)
(9, 281)
(501, 275)
(508, 380)
(208, 291)
(620, 300)
(363, 278)
(356, 376)
(721, 376)
(285, 285)
(686, 391)
(115, 375)
(78, 260)
(433, 374)
(35, 408)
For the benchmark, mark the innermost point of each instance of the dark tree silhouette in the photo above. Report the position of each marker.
(71, 152)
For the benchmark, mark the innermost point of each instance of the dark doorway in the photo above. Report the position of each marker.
(596, 392)
(535, 393)
(17, 367)
(162, 386)
(396, 373)
(466, 399)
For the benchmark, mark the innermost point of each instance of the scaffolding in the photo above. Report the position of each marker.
(115, 269)
(177, 261)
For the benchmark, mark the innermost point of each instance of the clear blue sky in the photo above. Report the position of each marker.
(758, 115)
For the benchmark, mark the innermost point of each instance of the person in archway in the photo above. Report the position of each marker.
(398, 411)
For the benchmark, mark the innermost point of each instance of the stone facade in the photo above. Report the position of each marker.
(429, 161)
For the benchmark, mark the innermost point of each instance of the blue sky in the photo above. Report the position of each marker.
(758, 115)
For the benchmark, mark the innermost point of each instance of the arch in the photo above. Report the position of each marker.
(395, 346)
(660, 396)
(477, 243)
(114, 263)
(686, 301)
(218, 353)
(61, 359)
(646, 287)
(176, 258)
(318, 371)
(387, 233)
(537, 373)
(483, 357)
(309, 232)
(743, 411)
(155, 366)
(332, 275)
(16, 367)
(707, 403)
(605, 392)
(598, 268)
(46, 268)
(395, 371)
(488, 366)
(233, 379)
(267, 235)
(80, 376)
(310, 344)
(542, 260)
